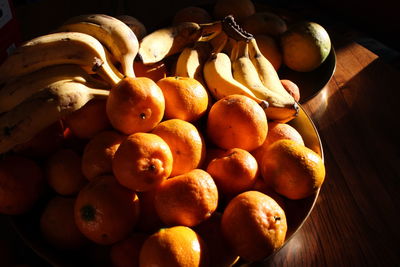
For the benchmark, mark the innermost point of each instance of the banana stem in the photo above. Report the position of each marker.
(210, 30)
(108, 73)
(99, 93)
(233, 29)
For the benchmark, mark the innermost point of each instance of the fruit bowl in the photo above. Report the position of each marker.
(313, 82)
(297, 212)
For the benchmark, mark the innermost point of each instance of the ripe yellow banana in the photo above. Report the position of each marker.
(114, 34)
(191, 61)
(171, 40)
(59, 48)
(217, 73)
(266, 71)
(25, 86)
(27, 119)
(280, 108)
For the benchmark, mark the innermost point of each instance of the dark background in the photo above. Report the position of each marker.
(379, 19)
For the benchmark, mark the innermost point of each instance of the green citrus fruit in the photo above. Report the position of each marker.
(305, 46)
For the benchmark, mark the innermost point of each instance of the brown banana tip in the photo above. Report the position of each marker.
(297, 108)
(97, 64)
(264, 104)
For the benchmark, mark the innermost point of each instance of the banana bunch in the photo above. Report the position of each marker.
(55, 74)
(239, 68)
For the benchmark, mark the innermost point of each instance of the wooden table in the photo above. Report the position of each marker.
(355, 221)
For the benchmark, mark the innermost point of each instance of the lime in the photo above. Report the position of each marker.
(305, 46)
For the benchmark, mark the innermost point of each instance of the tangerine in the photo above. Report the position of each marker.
(94, 112)
(63, 172)
(294, 171)
(99, 152)
(125, 253)
(57, 224)
(185, 98)
(234, 172)
(245, 128)
(187, 199)
(277, 131)
(142, 161)
(21, 184)
(186, 143)
(105, 211)
(135, 105)
(174, 246)
(254, 225)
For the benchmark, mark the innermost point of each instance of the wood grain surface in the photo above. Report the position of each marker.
(356, 219)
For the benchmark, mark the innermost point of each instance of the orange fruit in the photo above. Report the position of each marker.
(220, 252)
(135, 105)
(269, 47)
(254, 225)
(212, 153)
(186, 143)
(149, 221)
(277, 131)
(235, 171)
(291, 88)
(99, 152)
(105, 211)
(64, 173)
(186, 199)
(21, 184)
(237, 121)
(142, 161)
(240, 9)
(292, 170)
(154, 71)
(265, 22)
(57, 224)
(185, 98)
(262, 187)
(191, 14)
(125, 253)
(94, 112)
(174, 246)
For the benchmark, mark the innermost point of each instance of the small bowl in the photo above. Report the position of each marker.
(313, 82)
(297, 211)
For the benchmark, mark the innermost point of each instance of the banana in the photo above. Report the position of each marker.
(266, 71)
(173, 39)
(27, 119)
(219, 42)
(114, 34)
(280, 108)
(59, 48)
(217, 73)
(23, 87)
(191, 61)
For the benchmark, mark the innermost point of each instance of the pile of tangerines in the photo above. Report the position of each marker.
(160, 173)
